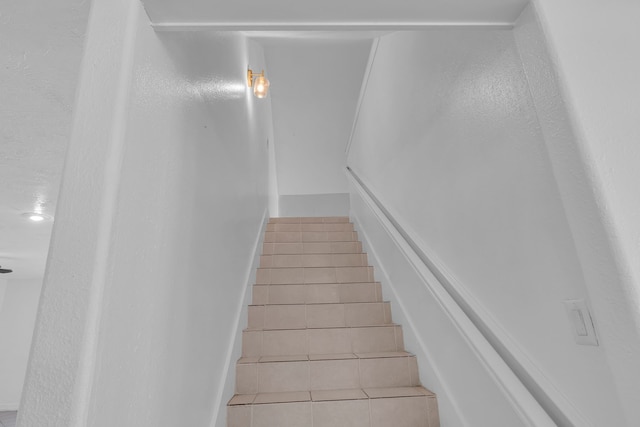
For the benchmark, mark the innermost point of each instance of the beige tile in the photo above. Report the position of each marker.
(286, 248)
(317, 248)
(379, 291)
(287, 227)
(413, 371)
(317, 260)
(323, 395)
(251, 359)
(433, 416)
(399, 412)
(285, 220)
(287, 294)
(387, 312)
(267, 248)
(377, 393)
(361, 314)
(386, 372)
(383, 354)
(289, 396)
(333, 219)
(314, 236)
(313, 227)
(289, 260)
(311, 220)
(256, 317)
(326, 341)
(349, 260)
(284, 358)
(269, 237)
(325, 315)
(374, 339)
(347, 413)
(284, 342)
(342, 236)
(346, 247)
(344, 226)
(281, 276)
(242, 399)
(332, 356)
(287, 236)
(282, 415)
(285, 317)
(263, 276)
(322, 293)
(354, 274)
(265, 261)
(399, 338)
(247, 379)
(260, 294)
(283, 376)
(271, 227)
(320, 275)
(334, 374)
(357, 292)
(239, 416)
(251, 343)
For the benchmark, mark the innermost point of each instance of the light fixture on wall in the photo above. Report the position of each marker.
(260, 84)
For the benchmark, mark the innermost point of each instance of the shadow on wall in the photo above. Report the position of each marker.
(8, 418)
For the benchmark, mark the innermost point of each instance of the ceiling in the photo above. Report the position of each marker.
(40, 52)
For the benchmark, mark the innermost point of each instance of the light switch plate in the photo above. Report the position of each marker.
(581, 322)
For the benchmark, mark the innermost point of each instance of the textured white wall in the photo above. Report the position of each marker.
(314, 91)
(458, 156)
(181, 185)
(592, 47)
(18, 308)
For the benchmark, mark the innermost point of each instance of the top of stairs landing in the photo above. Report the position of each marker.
(308, 219)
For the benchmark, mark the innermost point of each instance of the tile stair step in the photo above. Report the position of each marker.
(363, 339)
(301, 275)
(299, 316)
(272, 374)
(309, 236)
(316, 293)
(272, 248)
(336, 226)
(368, 407)
(314, 260)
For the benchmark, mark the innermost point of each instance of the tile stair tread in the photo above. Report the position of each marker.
(319, 357)
(320, 303)
(383, 325)
(329, 395)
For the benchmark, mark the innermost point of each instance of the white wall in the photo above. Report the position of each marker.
(315, 84)
(18, 307)
(591, 45)
(144, 335)
(457, 155)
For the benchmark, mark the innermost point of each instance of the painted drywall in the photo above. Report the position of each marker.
(277, 13)
(459, 158)
(315, 205)
(18, 311)
(155, 230)
(315, 85)
(40, 52)
(590, 46)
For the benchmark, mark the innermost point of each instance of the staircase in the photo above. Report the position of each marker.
(320, 349)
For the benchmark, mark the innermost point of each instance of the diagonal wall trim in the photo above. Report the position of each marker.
(322, 26)
(545, 393)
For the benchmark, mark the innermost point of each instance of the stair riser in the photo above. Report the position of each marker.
(342, 226)
(322, 341)
(299, 316)
(271, 248)
(314, 260)
(420, 411)
(310, 236)
(316, 293)
(326, 375)
(283, 276)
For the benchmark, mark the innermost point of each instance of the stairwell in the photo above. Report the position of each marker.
(320, 348)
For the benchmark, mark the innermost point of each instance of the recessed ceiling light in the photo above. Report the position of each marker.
(35, 216)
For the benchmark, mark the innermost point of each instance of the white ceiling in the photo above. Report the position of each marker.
(40, 50)
(287, 13)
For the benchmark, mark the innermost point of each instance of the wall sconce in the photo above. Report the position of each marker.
(260, 85)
